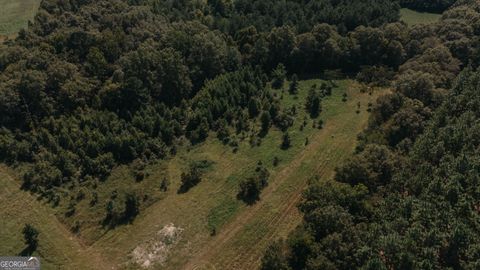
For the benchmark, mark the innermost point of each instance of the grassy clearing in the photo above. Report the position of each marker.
(58, 249)
(15, 14)
(412, 17)
(218, 230)
(243, 232)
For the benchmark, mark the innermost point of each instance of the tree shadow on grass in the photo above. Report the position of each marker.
(27, 251)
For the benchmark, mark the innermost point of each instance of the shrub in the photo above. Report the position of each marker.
(251, 187)
(190, 179)
(131, 207)
(313, 103)
(30, 235)
(164, 184)
(286, 141)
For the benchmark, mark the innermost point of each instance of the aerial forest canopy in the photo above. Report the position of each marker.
(231, 16)
(94, 85)
(427, 5)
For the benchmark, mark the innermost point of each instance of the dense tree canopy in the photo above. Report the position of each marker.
(427, 5)
(232, 16)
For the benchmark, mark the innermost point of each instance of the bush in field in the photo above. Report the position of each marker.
(251, 187)
(30, 235)
(313, 103)
(286, 141)
(190, 179)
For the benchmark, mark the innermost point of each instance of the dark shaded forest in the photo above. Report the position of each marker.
(436, 6)
(232, 16)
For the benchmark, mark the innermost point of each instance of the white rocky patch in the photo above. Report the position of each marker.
(155, 251)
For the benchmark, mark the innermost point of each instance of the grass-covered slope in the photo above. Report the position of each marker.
(58, 247)
(15, 14)
(220, 230)
(412, 17)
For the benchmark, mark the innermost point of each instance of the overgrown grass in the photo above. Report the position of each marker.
(412, 17)
(222, 212)
(15, 14)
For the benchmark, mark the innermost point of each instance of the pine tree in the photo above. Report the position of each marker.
(293, 90)
(266, 120)
(313, 103)
(279, 75)
(131, 207)
(286, 141)
(253, 107)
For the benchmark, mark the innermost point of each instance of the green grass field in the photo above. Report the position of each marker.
(412, 17)
(242, 232)
(15, 14)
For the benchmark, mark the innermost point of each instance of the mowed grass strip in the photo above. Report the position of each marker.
(412, 17)
(243, 232)
(58, 248)
(15, 14)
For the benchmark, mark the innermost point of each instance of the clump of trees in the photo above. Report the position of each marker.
(95, 101)
(313, 103)
(120, 211)
(293, 88)
(190, 179)
(415, 135)
(251, 187)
